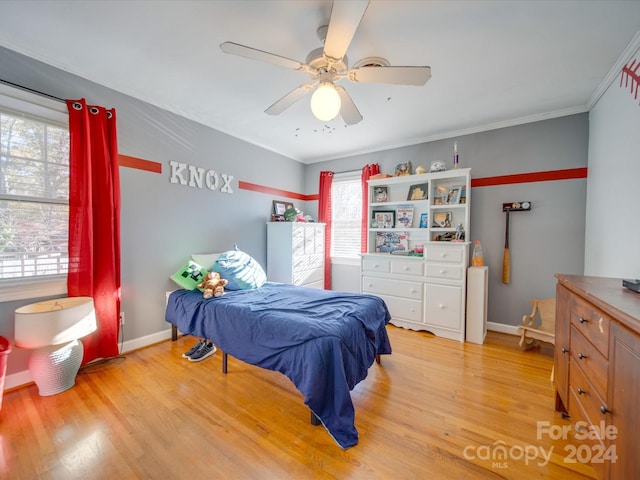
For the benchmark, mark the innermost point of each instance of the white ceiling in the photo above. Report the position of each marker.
(494, 63)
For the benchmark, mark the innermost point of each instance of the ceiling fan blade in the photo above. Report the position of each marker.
(255, 54)
(348, 110)
(289, 99)
(344, 21)
(396, 75)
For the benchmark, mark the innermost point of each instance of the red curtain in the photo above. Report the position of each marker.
(367, 171)
(94, 222)
(324, 216)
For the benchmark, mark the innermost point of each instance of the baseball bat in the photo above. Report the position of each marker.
(506, 258)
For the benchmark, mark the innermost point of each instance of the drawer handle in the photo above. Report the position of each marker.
(583, 320)
(581, 391)
(413, 290)
(370, 285)
(564, 350)
(443, 271)
(442, 305)
(443, 254)
(604, 409)
(405, 268)
(582, 356)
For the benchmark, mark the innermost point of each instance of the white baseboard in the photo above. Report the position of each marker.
(24, 377)
(502, 328)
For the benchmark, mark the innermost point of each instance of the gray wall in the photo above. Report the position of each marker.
(547, 240)
(163, 223)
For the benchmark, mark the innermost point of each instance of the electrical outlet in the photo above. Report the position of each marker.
(121, 318)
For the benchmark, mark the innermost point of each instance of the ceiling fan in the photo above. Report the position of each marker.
(329, 64)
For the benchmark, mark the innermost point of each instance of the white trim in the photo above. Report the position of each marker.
(614, 73)
(33, 104)
(502, 328)
(27, 288)
(355, 261)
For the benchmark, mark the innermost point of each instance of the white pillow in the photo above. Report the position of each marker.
(205, 259)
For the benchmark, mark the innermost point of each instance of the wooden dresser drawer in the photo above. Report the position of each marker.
(585, 395)
(584, 354)
(592, 322)
(396, 288)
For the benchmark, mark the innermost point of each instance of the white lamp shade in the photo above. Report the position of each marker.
(54, 322)
(325, 102)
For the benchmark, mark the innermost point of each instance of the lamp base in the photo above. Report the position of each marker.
(54, 368)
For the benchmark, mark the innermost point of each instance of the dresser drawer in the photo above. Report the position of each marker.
(585, 395)
(584, 354)
(443, 306)
(392, 287)
(376, 264)
(404, 267)
(592, 322)
(402, 308)
(444, 253)
(444, 270)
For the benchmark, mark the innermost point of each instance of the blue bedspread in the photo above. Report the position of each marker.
(324, 341)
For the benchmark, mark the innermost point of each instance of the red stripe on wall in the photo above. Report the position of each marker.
(566, 174)
(274, 191)
(139, 163)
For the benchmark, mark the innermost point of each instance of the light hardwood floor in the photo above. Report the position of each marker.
(434, 409)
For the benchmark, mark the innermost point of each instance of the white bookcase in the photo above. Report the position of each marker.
(295, 253)
(419, 267)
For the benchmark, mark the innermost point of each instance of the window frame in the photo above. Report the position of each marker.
(355, 175)
(51, 111)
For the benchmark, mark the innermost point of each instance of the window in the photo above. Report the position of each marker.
(346, 214)
(34, 188)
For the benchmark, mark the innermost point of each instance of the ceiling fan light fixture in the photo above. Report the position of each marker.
(325, 102)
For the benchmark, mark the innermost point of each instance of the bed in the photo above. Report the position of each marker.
(323, 341)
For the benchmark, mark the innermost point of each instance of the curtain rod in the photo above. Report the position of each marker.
(22, 87)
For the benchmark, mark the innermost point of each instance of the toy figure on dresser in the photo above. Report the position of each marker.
(460, 233)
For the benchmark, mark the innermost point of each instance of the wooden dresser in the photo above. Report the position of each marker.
(597, 371)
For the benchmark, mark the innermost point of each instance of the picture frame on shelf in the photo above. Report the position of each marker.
(453, 195)
(279, 207)
(419, 191)
(424, 220)
(404, 216)
(442, 219)
(403, 169)
(388, 242)
(384, 218)
(381, 194)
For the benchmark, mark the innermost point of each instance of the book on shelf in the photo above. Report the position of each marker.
(404, 217)
(387, 242)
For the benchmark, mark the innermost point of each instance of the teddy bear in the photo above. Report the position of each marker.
(212, 285)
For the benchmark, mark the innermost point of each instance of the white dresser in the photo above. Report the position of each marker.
(422, 293)
(295, 253)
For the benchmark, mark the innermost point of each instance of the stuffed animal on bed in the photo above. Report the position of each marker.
(212, 285)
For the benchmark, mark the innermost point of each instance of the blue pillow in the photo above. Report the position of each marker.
(241, 270)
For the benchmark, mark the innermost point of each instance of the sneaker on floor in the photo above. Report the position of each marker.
(193, 349)
(206, 350)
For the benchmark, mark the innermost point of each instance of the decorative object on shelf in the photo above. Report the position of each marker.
(463, 194)
(442, 219)
(52, 329)
(459, 233)
(453, 195)
(279, 207)
(403, 169)
(381, 194)
(437, 166)
(477, 260)
(418, 192)
(424, 220)
(387, 242)
(405, 217)
(418, 250)
(384, 218)
(420, 169)
(379, 175)
(455, 155)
